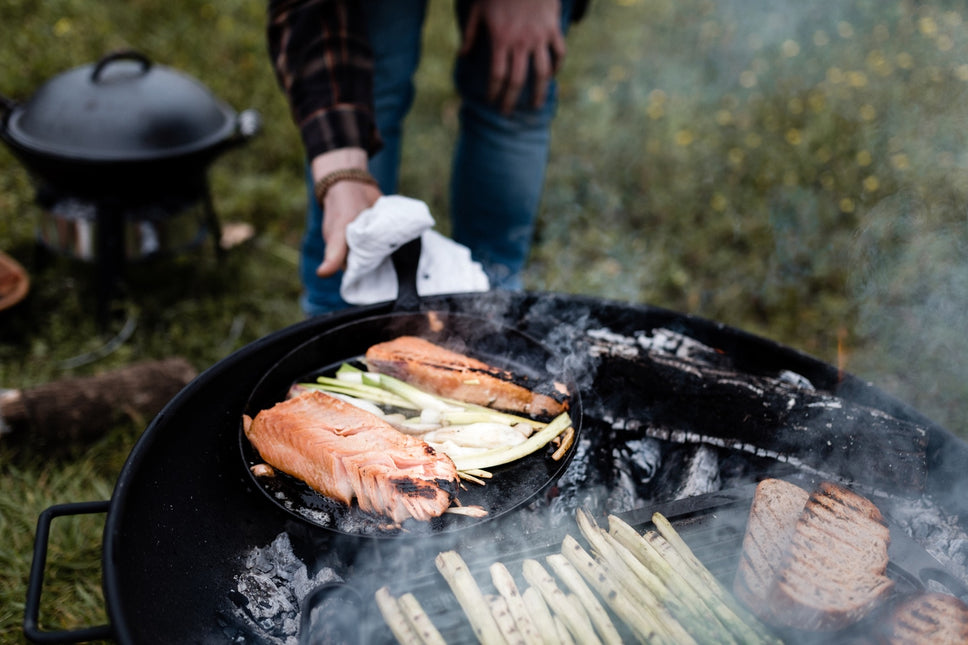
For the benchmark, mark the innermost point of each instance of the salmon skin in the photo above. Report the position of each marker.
(451, 374)
(347, 453)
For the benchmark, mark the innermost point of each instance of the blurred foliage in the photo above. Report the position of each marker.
(797, 170)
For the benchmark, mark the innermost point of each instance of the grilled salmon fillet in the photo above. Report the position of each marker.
(454, 375)
(346, 453)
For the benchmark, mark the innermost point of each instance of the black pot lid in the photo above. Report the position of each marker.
(122, 108)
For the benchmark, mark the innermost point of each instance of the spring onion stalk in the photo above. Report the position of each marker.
(508, 417)
(355, 374)
(362, 404)
(418, 397)
(345, 369)
(469, 415)
(475, 437)
(535, 442)
(362, 391)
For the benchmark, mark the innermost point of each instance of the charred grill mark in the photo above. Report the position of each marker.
(448, 486)
(415, 488)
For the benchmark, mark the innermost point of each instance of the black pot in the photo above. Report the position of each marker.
(121, 125)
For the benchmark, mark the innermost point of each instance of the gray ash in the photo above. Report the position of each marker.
(270, 591)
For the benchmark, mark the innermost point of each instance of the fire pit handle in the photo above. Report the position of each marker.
(32, 607)
(347, 619)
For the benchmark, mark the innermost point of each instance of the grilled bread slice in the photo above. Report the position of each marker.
(927, 617)
(776, 506)
(813, 561)
(834, 572)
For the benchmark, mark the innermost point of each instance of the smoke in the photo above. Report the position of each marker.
(909, 278)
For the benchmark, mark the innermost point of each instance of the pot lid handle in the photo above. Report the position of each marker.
(120, 55)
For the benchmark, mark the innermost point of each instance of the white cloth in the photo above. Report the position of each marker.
(444, 267)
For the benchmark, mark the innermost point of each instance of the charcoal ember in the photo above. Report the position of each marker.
(271, 588)
(686, 470)
(634, 464)
(582, 485)
(701, 473)
(938, 532)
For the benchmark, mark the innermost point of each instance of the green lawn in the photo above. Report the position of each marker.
(795, 170)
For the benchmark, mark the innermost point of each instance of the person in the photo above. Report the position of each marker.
(346, 68)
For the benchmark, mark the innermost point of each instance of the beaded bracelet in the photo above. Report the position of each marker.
(321, 187)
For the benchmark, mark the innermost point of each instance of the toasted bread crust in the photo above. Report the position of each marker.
(818, 568)
(773, 515)
(835, 571)
(929, 617)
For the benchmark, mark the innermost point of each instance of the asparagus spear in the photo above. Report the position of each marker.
(596, 613)
(419, 620)
(577, 623)
(505, 620)
(505, 585)
(674, 592)
(540, 614)
(470, 597)
(675, 575)
(700, 575)
(394, 618)
(639, 582)
(642, 624)
(563, 636)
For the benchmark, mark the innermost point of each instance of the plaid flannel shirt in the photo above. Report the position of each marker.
(323, 63)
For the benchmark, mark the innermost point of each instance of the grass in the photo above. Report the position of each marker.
(797, 170)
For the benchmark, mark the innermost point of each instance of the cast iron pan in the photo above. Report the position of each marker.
(513, 485)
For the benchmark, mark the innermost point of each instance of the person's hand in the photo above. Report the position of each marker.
(521, 32)
(344, 201)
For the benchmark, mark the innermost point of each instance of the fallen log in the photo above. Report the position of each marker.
(81, 408)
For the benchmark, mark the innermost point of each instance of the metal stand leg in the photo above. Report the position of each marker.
(110, 257)
(212, 221)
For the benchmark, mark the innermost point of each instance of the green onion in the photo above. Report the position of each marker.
(501, 456)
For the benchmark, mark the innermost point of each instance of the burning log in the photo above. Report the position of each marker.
(682, 391)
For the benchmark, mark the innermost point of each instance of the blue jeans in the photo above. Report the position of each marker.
(499, 161)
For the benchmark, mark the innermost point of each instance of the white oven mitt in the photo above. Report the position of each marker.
(444, 266)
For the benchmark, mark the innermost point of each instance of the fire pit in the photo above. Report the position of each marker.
(680, 415)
